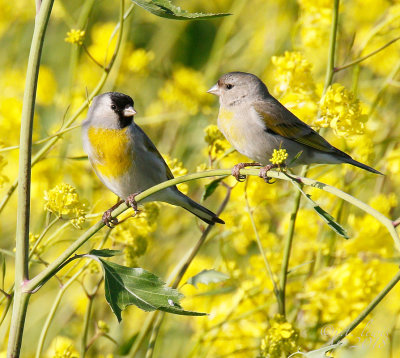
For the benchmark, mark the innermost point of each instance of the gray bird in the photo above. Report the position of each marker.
(256, 123)
(126, 160)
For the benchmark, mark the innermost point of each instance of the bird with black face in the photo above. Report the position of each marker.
(256, 123)
(126, 160)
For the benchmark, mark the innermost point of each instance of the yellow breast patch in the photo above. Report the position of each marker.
(112, 149)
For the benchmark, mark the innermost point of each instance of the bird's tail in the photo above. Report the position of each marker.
(362, 166)
(200, 211)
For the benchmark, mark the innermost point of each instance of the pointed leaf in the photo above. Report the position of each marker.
(105, 252)
(125, 286)
(329, 219)
(165, 8)
(210, 188)
(206, 277)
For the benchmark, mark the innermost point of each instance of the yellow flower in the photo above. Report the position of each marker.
(315, 19)
(63, 200)
(217, 144)
(75, 36)
(177, 170)
(341, 111)
(281, 339)
(293, 73)
(279, 156)
(62, 347)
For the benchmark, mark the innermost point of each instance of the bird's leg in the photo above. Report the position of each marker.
(236, 170)
(107, 219)
(264, 172)
(131, 201)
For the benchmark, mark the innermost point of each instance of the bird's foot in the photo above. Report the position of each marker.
(107, 219)
(264, 173)
(131, 201)
(238, 167)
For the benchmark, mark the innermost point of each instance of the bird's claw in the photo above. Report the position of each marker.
(131, 201)
(236, 173)
(108, 220)
(238, 167)
(264, 173)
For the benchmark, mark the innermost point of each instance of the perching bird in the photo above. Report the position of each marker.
(126, 160)
(256, 123)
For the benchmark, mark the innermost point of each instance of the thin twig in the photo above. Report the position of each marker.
(340, 68)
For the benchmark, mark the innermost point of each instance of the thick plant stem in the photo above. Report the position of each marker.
(286, 254)
(368, 309)
(24, 177)
(330, 70)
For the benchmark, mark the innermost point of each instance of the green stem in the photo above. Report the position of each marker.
(368, 309)
(36, 282)
(332, 46)
(57, 301)
(24, 177)
(355, 62)
(286, 254)
(42, 235)
(86, 326)
(260, 247)
(160, 316)
(53, 311)
(43, 151)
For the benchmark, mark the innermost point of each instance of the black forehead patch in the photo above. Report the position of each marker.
(121, 100)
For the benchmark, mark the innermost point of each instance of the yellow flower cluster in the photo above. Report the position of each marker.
(75, 36)
(63, 201)
(295, 85)
(340, 293)
(281, 339)
(134, 236)
(293, 73)
(279, 156)
(62, 347)
(315, 21)
(187, 91)
(217, 144)
(341, 111)
(177, 170)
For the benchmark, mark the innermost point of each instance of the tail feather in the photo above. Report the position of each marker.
(200, 211)
(362, 166)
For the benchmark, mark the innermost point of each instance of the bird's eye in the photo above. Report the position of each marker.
(229, 86)
(113, 106)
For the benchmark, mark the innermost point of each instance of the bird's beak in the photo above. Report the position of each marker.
(215, 90)
(129, 111)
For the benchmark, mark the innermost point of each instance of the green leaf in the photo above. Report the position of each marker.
(125, 286)
(329, 219)
(165, 8)
(207, 276)
(210, 188)
(105, 253)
